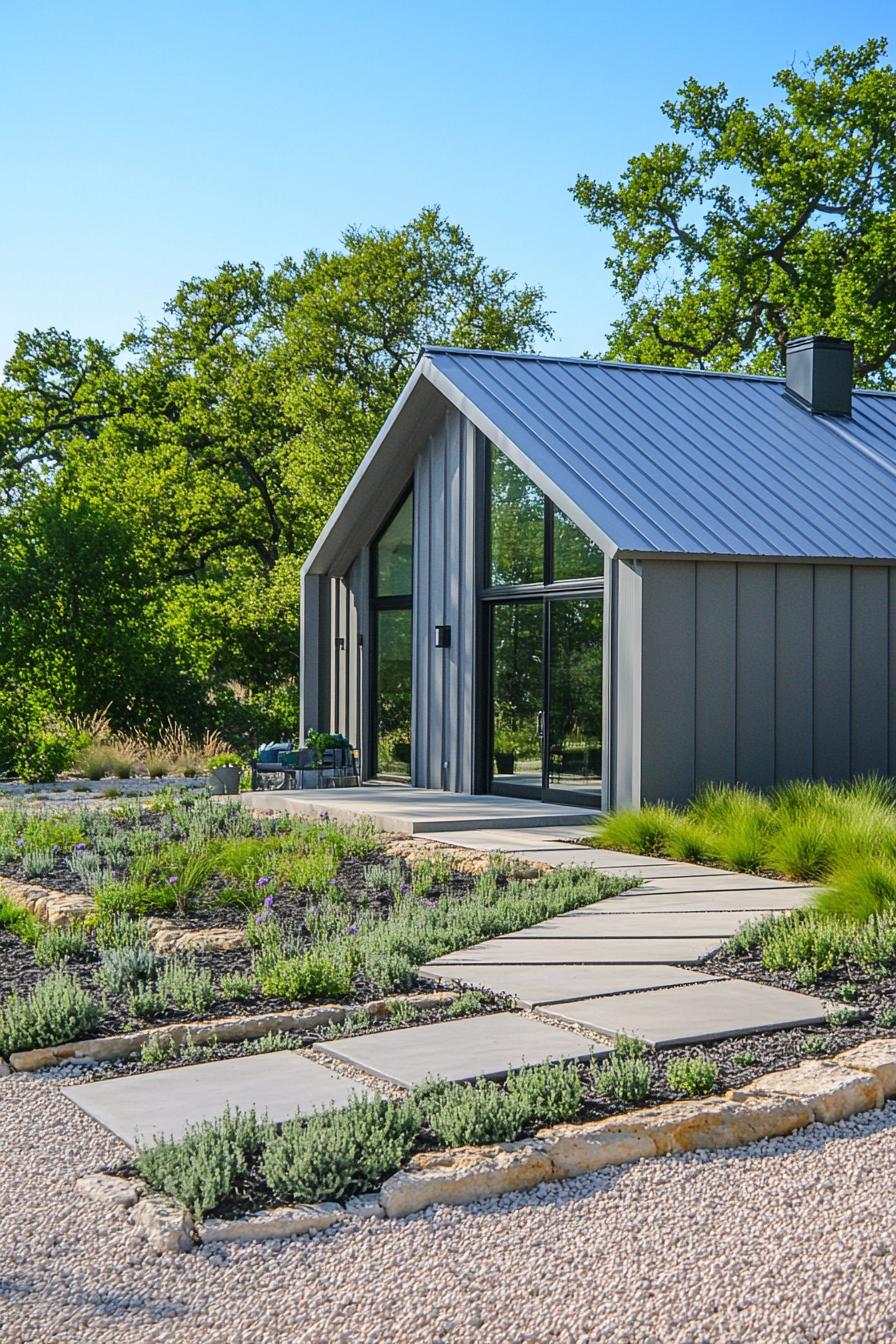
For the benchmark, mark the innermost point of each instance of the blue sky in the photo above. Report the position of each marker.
(148, 140)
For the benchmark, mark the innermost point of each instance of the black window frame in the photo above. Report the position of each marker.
(392, 602)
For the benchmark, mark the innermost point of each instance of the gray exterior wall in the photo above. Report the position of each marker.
(445, 593)
(752, 673)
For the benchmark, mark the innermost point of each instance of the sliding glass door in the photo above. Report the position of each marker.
(543, 603)
(547, 697)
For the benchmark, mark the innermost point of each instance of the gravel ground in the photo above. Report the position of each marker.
(785, 1242)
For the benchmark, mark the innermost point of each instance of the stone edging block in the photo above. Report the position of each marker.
(771, 1107)
(57, 908)
(218, 1029)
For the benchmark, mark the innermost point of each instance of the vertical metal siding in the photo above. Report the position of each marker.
(755, 741)
(869, 673)
(760, 673)
(668, 707)
(445, 594)
(625, 684)
(716, 672)
(833, 665)
(794, 632)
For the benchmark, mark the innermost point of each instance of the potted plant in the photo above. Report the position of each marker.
(224, 772)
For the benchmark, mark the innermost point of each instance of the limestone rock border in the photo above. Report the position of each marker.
(859, 1079)
(220, 1029)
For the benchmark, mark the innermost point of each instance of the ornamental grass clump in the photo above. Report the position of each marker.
(19, 920)
(56, 1010)
(340, 1152)
(206, 1165)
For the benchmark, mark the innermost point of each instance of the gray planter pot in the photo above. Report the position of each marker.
(225, 779)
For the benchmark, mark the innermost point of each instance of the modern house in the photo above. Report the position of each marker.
(603, 583)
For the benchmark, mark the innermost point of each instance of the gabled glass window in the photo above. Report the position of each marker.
(394, 554)
(531, 541)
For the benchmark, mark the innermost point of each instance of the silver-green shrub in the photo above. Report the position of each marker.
(56, 1010)
(340, 1152)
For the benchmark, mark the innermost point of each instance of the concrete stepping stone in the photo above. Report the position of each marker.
(707, 880)
(694, 1013)
(631, 865)
(596, 923)
(532, 985)
(532, 951)
(144, 1105)
(754, 903)
(473, 1047)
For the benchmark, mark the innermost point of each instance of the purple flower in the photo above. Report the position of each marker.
(80, 846)
(55, 849)
(171, 881)
(269, 901)
(352, 928)
(259, 919)
(333, 882)
(262, 882)
(21, 843)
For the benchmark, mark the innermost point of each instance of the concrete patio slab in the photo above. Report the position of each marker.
(144, 1105)
(694, 1013)
(532, 951)
(533, 985)
(593, 922)
(474, 1047)
(411, 811)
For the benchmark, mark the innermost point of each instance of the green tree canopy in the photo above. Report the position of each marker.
(215, 443)
(756, 226)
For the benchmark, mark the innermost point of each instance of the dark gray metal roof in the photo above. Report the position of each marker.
(674, 461)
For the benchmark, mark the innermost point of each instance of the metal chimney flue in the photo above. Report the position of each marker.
(819, 374)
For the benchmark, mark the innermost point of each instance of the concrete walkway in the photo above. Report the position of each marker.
(617, 967)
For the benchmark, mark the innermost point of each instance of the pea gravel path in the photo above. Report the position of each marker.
(784, 1242)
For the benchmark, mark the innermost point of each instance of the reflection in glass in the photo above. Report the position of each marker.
(395, 554)
(393, 692)
(517, 684)
(575, 555)
(517, 525)
(576, 681)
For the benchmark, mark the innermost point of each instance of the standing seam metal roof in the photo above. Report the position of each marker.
(675, 461)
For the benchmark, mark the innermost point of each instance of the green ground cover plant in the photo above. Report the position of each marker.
(695, 1077)
(203, 1167)
(57, 1009)
(626, 1075)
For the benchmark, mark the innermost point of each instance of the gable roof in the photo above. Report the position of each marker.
(657, 461)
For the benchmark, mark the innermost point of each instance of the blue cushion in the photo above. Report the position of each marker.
(269, 752)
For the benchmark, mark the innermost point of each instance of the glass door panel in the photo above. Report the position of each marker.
(392, 692)
(517, 684)
(575, 695)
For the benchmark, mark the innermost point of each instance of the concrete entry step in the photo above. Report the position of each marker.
(533, 985)
(412, 811)
(144, 1105)
(472, 1047)
(533, 951)
(594, 922)
(694, 1013)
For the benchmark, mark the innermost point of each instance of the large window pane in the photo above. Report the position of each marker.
(517, 693)
(575, 556)
(393, 692)
(395, 554)
(517, 525)
(576, 695)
